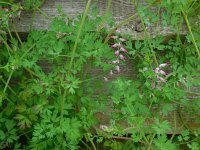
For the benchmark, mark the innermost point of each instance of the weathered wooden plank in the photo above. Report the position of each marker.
(120, 9)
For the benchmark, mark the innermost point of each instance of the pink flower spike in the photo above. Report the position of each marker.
(160, 79)
(105, 79)
(111, 72)
(123, 40)
(118, 31)
(123, 50)
(113, 37)
(121, 57)
(117, 53)
(115, 45)
(162, 72)
(117, 69)
(164, 65)
(115, 61)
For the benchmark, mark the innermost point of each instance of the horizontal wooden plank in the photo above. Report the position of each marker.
(120, 9)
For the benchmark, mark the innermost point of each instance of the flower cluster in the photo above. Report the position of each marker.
(119, 52)
(160, 74)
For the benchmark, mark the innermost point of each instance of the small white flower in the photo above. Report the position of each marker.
(105, 79)
(115, 61)
(111, 72)
(163, 65)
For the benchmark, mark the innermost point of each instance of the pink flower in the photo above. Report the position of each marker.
(116, 45)
(156, 70)
(162, 72)
(113, 37)
(118, 31)
(163, 65)
(117, 69)
(123, 50)
(117, 53)
(111, 72)
(123, 40)
(115, 61)
(105, 79)
(5, 9)
(160, 79)
(121, 57)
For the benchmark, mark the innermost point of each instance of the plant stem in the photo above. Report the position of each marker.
(10, 33)
(25, 53)
(86, 145)
(149, 147)
(20, 41)
(63, 103)
(7, 46)
(181, 118)
(41, 12)
(191, 34)
(73, 53)
(148, 41)
(6, 3)
(93, 145)
(105, 17)
(79, 33)
(175, 126)
(6, 86)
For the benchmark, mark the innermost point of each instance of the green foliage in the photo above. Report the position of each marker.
(55, 84)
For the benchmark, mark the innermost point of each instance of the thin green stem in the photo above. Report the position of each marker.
(86, 80)
(63, 103)
(148, 41)
(181, 118)
(25, 132)
(9, 100)
(6, 3)
(42, 13)
(6, 86)
(85, 145)
(19, 39)
(73, 53)
(175, 126)
(25, 53)
(93, 145)
(150, 143)
(32, 73)
(10, 33)
(79, 33)
(105, 17)
(191, 34)
(7, 46)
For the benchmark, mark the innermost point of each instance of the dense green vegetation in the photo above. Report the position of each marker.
(54, 83)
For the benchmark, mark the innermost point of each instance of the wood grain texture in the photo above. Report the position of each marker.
(120, 9)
